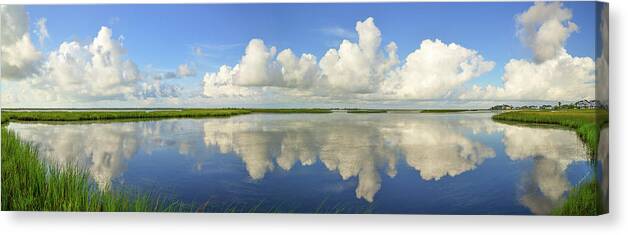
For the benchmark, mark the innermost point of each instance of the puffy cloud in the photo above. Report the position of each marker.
(355, 69)
(220, 84)
(19, 56)
(261, 66)
(42, 30)
(298, 72)
(71, 72)
(561, 78)
(95, 71)
(434, 70)
(89, 72)
(257, 67)
(555, 74)
(544, 27)
(185, 70)
(358, 68)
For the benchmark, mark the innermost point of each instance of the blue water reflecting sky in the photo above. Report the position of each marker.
(386, 163)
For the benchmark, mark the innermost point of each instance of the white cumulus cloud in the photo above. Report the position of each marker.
(358, 67)
(354, 69)
(19, 56)
(220, 84)
(95, 71)
(554, 74)
(434, 70)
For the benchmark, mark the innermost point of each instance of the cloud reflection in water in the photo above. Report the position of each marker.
(365, 147)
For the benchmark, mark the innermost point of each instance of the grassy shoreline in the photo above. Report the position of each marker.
(28, 184)
(367, 111)
(447, 110)
(94, 115)
(585, 198)
(586, 123)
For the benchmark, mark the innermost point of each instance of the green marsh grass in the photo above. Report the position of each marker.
(28, 184)
(290, 110)
(585, 198)
(95, 115)
(446, 110)
(587, 123)
(367, 111)
(111, 115)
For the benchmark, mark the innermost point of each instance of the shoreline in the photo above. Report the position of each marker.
(585, 199)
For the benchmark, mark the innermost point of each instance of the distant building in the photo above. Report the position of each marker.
(585, 104)
(546, 106)
(594, 104)
(501, 107)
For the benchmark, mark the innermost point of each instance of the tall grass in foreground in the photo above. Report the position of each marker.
(28, 184)
(585, 199)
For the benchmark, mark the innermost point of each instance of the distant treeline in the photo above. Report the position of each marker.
(447, 110)
(367, 111)
(97, 114)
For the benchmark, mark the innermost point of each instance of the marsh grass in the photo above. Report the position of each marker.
(290, 110)
(586, 123)
(585, 198)
(367, 111)
(95, 115)
(28, 184)
(112, 115)
(447, 110)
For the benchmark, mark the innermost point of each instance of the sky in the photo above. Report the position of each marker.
(412, 55)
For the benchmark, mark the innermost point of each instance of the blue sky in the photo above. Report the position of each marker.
(162, 37)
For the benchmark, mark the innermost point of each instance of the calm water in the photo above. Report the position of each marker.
(383, 163)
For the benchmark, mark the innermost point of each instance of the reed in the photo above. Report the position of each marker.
(28, 184)
(586, 123)
(585, 199)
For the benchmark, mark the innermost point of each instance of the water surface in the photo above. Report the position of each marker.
(462, 163)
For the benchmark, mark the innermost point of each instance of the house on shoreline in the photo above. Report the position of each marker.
(501, 107)
(586, 104)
